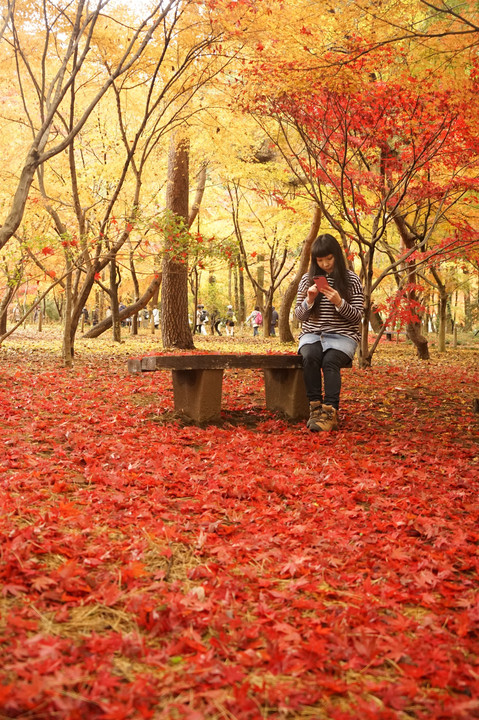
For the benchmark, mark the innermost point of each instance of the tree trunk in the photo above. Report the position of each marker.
(442, 311)
(375, 319)
(467, 309)
(136, 291)
(441, 338)
(101, 299)
(260, 281)
(414, 334)
(68, 339)
(3, 321)
(15, 215)
(4, 305)
(241, 304)
(114, 307)
(200, 190)
(413, 328)
(285, 334)
(175, 330)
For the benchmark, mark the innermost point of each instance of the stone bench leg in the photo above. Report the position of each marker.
(197, 393)
(285, 391)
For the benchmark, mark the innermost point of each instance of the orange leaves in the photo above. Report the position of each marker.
(133, 571)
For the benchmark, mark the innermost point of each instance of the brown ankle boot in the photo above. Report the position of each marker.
(315, 409)
(327, 420)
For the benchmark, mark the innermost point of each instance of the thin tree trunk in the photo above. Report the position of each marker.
(4, 305)
(68, 345)
(285, 334)
(442, 311)
(114, 307)
(413, 328)
(467, 308)
(441, 336)
(241, 302)
(260, 282)
(200, 190)
(136, 293)
(365, 353)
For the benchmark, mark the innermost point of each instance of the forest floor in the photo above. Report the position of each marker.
(249, 569)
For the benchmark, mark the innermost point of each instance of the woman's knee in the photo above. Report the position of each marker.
(335, 360)
(312, 353)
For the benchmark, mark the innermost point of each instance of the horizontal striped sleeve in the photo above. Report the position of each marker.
(301, 310)
(354, 310)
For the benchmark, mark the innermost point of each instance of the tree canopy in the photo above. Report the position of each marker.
(366, 112)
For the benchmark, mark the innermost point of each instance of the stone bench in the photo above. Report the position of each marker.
(198, 381)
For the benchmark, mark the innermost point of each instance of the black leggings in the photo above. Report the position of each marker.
(315, 361)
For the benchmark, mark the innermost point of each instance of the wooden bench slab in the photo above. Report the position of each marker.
(150, 363)
(197, 381)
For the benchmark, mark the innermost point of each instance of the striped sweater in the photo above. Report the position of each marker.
(344, 320)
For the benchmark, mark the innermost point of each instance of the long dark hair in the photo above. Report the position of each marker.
(328, 245)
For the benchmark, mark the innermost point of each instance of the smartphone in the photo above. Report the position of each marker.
(320, 282)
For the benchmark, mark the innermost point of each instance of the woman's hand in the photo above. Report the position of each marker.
(333, 296)
(312, 294)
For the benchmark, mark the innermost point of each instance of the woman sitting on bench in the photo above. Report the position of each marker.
(329, 305)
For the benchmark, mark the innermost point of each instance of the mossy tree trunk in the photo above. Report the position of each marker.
(175, 330)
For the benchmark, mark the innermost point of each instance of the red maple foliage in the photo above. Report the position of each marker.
(249, 569)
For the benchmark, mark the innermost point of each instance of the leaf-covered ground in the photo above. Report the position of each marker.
(245, 570)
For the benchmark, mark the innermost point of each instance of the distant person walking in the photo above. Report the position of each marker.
(274, 321)
(256, 320)
(201, 320)
(230, 321)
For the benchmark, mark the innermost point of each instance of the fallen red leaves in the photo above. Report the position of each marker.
(151, 569)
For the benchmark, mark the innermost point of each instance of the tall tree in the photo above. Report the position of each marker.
(377, 156)
(175, 329)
